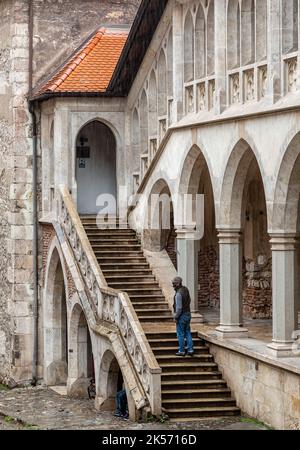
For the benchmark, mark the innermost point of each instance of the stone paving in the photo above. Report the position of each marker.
(44, 409)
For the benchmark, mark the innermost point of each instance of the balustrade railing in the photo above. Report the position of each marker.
(109, 304)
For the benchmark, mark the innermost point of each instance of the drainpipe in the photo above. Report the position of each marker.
(34, 199)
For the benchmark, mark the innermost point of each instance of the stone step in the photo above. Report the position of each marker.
(184, 414)
(166, 335)
(197, 375)
(152, 312)
(182, 403)
(188, 365)
(156, 319)
(147, 305)
(124, 267)
(197, 358)
(97, 246)
(117, 254)
(146, 297)
(129, 278)
(172, 343)
(139, 291)
(139, 286)
(192, 384)
(195, 393)
(109, 234)
(113, 242)
(172, 350)
(120, 259)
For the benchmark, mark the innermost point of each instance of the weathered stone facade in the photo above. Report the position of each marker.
(58, 28)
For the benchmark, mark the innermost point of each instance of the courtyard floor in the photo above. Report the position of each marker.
(42, 408)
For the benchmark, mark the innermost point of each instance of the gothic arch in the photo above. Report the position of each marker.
(144, 133)
(152, 105)
(189, 48)
(162, 85)
(55, 318)
(233, 34)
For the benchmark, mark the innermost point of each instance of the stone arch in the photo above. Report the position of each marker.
(170, 63)
(152, 105)
(233, 34)
(55, 318)
(287, 190)
(110, 380)
(261, 30)
(96, 167)
(160, 230)
(162, 85)
(189, 48)
(200, 43)
(196, 179)
(243, 209)
(81, 367)
(144, 122)
(235, 174)
(289, 26)
(211, 38)
(135, 138)
(248, 31)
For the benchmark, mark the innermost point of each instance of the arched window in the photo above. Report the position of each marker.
(144, 123)
(261, 30)
(153, 105)
(188, 48)
(248, 32)
(211, 38)
(135, 137)
(162, 86)
(170, 63)
(233, 34)
(200, 44)
(289, 26)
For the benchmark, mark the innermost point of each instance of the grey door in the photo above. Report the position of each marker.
(95, 167)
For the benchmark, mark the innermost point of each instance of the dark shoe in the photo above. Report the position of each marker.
(125, 416)
(190, 353)
(180, 354)
(118, 414)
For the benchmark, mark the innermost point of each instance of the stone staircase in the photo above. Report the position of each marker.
(192, 388)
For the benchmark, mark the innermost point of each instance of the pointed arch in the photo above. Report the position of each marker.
(200, 43)
(144, 133)
(189, 48)
(233, 34)
(261, 30)
(170, 63)
(289, 26)
(152, 105)
(248, 31)
(211, 38)
(162, 85)
(135, 139)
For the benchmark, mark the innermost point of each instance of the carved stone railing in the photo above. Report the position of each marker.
(110, 305)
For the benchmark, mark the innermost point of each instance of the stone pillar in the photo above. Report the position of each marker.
(285, 301)
(274, 50)
(220, 55)
(178, 60)
(187, 261)
(231, 315)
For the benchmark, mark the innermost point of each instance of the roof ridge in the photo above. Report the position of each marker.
(70, 66)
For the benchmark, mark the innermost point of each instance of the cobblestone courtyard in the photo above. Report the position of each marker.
(42, 408)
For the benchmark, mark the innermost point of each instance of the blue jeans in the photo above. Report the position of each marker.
(121, 401)
(184, 332)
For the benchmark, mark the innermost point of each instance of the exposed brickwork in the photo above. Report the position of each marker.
(48, 234)
(208, 273)
(257, 289)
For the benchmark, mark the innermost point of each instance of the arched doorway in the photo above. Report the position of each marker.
(110, 381)
(81, 355)
(96, 169)
(55, 324)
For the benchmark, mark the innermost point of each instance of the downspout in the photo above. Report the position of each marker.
(34, 200)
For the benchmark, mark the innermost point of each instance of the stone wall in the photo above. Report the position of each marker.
(6, 140)
(257, 288)
(268, 393)
(61, 26)
(208, 277)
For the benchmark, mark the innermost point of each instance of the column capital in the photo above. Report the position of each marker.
(229, 235)
(283, 241)
(188, 232)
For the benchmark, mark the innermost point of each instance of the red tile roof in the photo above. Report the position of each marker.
(91, 68)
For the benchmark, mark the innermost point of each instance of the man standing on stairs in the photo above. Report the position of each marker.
(182, 316)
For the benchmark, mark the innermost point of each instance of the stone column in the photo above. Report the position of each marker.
(231, 315)
(220, 55)
(274, 50)
(285, 301)
(178, 60)
(187, 261)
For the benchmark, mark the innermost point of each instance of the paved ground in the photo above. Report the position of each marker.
(43, 408)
